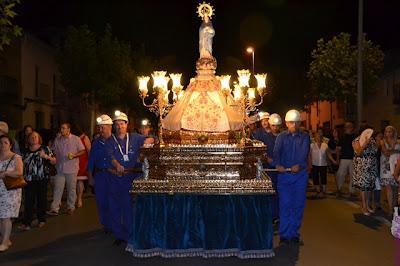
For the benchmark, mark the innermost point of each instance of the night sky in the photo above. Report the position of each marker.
(283, 32)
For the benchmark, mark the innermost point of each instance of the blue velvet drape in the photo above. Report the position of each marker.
(202, 225)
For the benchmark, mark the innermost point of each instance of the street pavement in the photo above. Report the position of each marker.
(334, 233)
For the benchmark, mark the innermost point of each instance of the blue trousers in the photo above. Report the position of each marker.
(292, 199)
(121, 206)
(101, 186)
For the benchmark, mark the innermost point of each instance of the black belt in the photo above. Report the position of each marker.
(126, 171)
(100, 170)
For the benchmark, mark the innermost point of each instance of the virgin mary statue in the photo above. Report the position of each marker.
(203, 106)
(206, 34)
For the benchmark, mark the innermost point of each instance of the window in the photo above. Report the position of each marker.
(396, 93)
(386, 86)
(39, 120)
(45, 92)
(8, 90)
(37, 93)
(54, 88)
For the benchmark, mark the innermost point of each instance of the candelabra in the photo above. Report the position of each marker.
(244, 96)
(161, 103)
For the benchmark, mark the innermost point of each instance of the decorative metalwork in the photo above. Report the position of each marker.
(205, 9)
(145, 168)
(204, 169)
(218, 187)
(244, 96)
(161, 103)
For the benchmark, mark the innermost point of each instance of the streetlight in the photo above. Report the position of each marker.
(250, 50)
(359, 63)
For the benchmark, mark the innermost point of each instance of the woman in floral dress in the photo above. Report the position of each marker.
(10, 200)
(365, 171)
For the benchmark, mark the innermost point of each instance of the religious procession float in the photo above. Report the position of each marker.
(203, 191)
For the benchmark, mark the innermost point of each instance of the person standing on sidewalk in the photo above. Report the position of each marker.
(4, 131)
(10, 200)
(365, 168)
(83, 162)
(333, 163)
(345, 156)
(390, 149)
(291, 150)
(37, 158)
(319, 155)
(98, 165)
(67, 148)
(23, 138)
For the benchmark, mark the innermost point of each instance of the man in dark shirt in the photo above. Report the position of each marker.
(345, 154)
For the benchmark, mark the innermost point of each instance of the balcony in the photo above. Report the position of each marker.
(44, 92)
(8, 90)
(396, 94)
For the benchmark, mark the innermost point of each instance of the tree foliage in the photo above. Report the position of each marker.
(95, 66)
(333, 70)
(7, 29)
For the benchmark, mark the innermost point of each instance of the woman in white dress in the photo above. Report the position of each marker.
(10, 200)
(390, 151)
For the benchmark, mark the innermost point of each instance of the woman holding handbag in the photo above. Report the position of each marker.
(10, 200)
(37, 162)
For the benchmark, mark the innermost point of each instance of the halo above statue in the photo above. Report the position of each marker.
(205, 10)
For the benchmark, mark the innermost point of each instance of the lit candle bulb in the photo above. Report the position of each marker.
(164, 84)
(251, 93)
(225, 87)
(176, 81)
(237, 93)
(225, 79)
(158, 78)
(143, 80)
(243, 77)
(261, 81)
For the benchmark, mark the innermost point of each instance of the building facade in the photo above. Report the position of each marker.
(31, 92)
(382, 106)
(324, 114)
(30, 88)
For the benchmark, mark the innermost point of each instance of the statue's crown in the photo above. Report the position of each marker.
(205, 10)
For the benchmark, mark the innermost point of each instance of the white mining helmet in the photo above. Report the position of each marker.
(275, 120)
(118, 115)
(146, 123)
(251, 119)
(293, 116)
(104, 120)
(263, 115)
